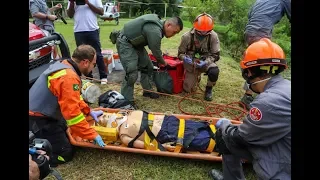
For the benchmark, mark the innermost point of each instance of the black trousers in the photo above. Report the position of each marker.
(92, 38)
(55, 132)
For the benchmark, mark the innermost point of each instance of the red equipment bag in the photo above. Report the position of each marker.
(176, 71)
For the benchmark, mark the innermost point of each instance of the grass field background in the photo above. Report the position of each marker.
(103, 164)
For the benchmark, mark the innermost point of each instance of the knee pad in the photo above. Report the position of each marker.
(62, 157)
(213, 74)
(131, 78)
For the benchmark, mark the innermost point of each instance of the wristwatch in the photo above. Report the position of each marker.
(46, 16)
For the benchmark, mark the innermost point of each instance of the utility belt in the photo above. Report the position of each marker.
(152, 143)
(122, 36)
(135, 42)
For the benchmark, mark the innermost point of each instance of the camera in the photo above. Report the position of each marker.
(39, 144)
(43, 163)
(80, 2)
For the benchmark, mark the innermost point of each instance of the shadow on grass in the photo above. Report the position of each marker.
(91, 163)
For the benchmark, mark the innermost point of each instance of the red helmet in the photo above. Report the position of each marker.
(203, 22)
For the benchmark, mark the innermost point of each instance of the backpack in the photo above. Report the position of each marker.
(163, 81)
(114, 35)
(113, 99)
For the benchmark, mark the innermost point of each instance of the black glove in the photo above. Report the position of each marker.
(220, 146)
(43, 164)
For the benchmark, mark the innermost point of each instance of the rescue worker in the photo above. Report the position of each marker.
(200, 50)
(55, 103)
(145, 30)
(86, 29)
(264, 137)
(263, 15)
(42, 15)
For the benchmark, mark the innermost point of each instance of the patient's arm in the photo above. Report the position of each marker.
(140, 144)
(137, 143)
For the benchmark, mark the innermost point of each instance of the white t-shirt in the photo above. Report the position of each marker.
(84, 18)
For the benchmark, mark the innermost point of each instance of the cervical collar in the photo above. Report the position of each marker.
(115, 120)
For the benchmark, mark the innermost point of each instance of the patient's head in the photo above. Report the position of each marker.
(112, 120)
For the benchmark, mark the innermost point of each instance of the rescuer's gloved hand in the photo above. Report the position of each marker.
(220, 121)
(96, 114)
(98, 140)
(187, 60)
(201, 64)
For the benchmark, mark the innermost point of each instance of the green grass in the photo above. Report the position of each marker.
(104, 164)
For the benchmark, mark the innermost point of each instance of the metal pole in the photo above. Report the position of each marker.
(165, 10)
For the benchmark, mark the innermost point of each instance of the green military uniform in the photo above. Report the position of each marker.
(142, 31)
(200, 47)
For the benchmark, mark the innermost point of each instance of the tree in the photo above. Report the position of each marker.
(157, 8)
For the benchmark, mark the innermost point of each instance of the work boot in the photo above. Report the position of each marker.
(246, 100)
(151, 95)
(208, 93)
(215, 174)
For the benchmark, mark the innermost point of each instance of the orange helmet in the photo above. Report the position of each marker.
(263, 53)
(203, 22)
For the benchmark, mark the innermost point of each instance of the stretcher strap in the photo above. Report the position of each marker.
(142, 129)
(144, 123)
(212, 142)
(148, 144)
(150, 141)
(179, 143)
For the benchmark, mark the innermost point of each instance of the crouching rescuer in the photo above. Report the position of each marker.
(200, 50)
(55, 103)
(264, 137)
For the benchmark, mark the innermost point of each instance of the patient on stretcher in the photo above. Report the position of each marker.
(139, 129)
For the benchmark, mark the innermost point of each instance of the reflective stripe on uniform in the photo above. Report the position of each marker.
(56, 75)
(60, 158)
(212, 142)
(179, 143)
(75, 120)
(81, 98)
